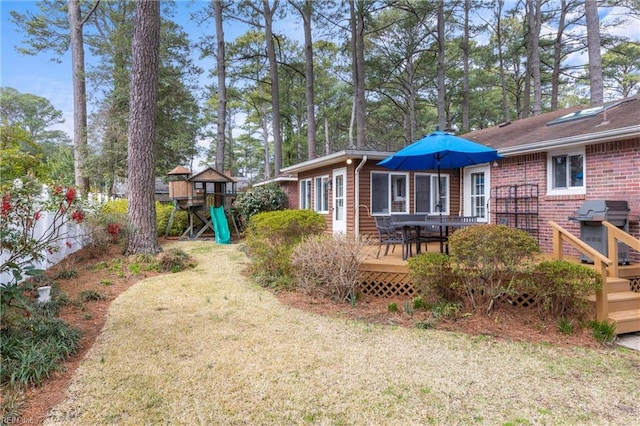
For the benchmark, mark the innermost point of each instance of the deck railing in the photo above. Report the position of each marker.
(600, 262)
(615, 235)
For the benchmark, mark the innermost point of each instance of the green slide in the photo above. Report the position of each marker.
(220, 225)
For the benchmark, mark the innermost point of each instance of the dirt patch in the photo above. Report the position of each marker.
(111, 280)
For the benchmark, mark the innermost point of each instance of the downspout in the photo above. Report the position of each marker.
(357, 196)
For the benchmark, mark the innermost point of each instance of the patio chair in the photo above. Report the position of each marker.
(387, 234)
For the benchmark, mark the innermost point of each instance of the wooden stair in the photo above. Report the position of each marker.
(623, 305)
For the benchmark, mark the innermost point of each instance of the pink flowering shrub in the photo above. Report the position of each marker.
(21, 244)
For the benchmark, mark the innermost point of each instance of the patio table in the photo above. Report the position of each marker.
(444, 224)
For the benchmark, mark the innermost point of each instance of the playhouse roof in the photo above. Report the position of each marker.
(180, 170)
(210, 175)
(615, 120)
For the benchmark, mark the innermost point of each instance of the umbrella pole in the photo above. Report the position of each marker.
(439, 206)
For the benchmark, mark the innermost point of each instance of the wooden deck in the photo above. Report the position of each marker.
(388, 276)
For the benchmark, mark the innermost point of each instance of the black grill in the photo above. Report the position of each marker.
(590, 216)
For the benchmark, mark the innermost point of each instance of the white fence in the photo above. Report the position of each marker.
(73, 236)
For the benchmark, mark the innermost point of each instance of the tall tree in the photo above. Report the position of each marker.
(596, 84)
(76, 23)
(442, 118)
(357, 12)
(622, 69)
(534, 25)
(143, 234)
(222, 87)
(306, 11)
(31, 112)
(49, 31)
(267, 11)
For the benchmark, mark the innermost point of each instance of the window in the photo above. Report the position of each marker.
(322, 194)
(389, 193)
(426, 190)
(305, 194)
(565, 173)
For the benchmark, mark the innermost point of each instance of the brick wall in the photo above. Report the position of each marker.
(612, 173)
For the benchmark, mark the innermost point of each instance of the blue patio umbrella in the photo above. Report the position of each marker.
(440, 150)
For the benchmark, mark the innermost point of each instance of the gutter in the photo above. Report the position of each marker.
(591, 138)
(357, 196)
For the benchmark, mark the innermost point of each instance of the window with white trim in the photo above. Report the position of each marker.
(566, 173)
(389, 193)
(322, 194)
(426, 190)
(305, 194)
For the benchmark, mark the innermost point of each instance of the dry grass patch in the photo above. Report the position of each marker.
(205, 346)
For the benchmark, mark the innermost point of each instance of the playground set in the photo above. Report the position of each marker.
(208, 191)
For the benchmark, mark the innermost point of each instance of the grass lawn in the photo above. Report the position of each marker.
(206, 346)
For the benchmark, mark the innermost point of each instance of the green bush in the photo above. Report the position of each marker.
(271, 237)
(260, 199)
(180, 220)
(490, 260)
(115, 212)
(433, 277)
(328, 266)
(561, 288)
(33, 349)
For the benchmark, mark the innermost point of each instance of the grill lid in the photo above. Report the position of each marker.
(600, 209)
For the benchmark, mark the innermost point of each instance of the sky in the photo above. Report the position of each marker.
(41, 76)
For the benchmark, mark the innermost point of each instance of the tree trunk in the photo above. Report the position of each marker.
(354, 72)
(557, 56)
(308, 71)
(465, 72)
(222, 88)
(275, 87)
(442, 120)
(79, 96)
(595, 60)
(143, 235)
(534, 22)
(361, 117)
(506, 115)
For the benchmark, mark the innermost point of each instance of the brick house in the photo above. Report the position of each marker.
(552, 163)
(569, 156)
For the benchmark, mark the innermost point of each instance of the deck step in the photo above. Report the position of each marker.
(620, 301)
(615, 285)
(626, 321)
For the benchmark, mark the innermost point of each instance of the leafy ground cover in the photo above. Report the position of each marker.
(207, 346)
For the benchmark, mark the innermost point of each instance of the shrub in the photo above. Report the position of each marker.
(91, 296)
(433, 277)
(24, 206)
(489, 260)
(113, 218)
(271, 237)
(329, 266)
(180, 220)
(33, 349)
(260, 199)
(561, 288)
(603, 331)
(174, 260)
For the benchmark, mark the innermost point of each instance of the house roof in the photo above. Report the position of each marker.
(335, 158)
(277, 179)
(573, 126)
